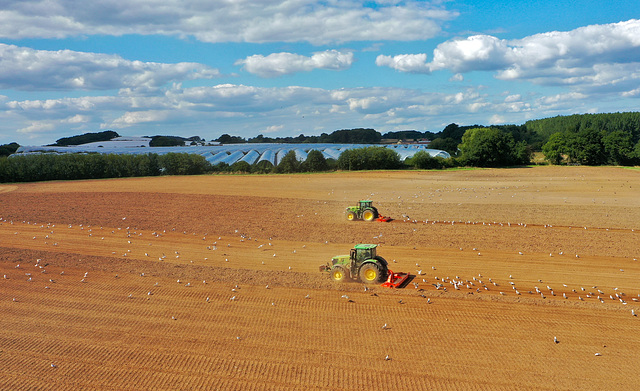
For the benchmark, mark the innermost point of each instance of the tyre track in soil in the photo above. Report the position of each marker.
(263, 218)
(210, 263)
(174, 369)
(100, 338)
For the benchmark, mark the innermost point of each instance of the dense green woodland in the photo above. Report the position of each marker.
(625, 122)
(87, 138)
(589, 139)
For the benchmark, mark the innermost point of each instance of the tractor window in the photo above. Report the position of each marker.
(362, 254)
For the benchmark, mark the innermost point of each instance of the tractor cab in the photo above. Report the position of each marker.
(361, 252)
(365, 204)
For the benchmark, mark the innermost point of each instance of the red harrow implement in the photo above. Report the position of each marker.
(395, 280)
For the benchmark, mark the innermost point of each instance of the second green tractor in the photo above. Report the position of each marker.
(363, 211)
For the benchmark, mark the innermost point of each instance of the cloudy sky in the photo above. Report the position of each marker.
(286, 67)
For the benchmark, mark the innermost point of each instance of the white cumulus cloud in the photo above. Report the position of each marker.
(209, 111)
(279, 64)
(412, 63)
(138, 117)
(23, 68)
(317, 22)
(600, 57)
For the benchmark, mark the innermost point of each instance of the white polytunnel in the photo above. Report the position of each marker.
(230, 153)
(269, 156)
(280, 154)
(234, 157)
(301, 155)
(330, 153)
(217, 158)
(251, 157)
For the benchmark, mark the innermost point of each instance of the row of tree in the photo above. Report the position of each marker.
(87, 138)
(591, 139)
(343, 136)
(8, 149)
(46, 167)
(480, 147)
(107, 135)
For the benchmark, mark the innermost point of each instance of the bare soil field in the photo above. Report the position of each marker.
(522, 279)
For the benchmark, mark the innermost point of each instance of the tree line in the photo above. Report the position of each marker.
(589, 139)
(86, 138)
(47, 167)
(108, 135)
(53, 166)
(342, 136)
(71, 166)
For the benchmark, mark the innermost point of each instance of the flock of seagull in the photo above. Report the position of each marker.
(476, 284)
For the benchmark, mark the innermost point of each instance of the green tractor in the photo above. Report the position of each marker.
(363, 211)
(361, 264)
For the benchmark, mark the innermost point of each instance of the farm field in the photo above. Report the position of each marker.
(212, 282)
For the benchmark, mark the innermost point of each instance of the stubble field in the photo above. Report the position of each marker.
(521, 279)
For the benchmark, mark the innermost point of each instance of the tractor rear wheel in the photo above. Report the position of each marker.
(339, 273)
(351, 216)
(368, 215)
(370, 273)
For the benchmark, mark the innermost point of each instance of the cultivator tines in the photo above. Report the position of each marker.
(395, 280)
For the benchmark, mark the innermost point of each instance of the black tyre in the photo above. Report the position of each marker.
(351, 216)
(369, 215)
(371, 273)
(339, 274)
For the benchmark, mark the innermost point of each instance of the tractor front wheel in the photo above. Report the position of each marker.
(368, 215)
(370, 273)
(351, 216)
(338, 274)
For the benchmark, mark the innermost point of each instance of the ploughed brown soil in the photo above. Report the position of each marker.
(212, 282)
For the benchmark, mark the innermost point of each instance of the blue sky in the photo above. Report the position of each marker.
(282, 68)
